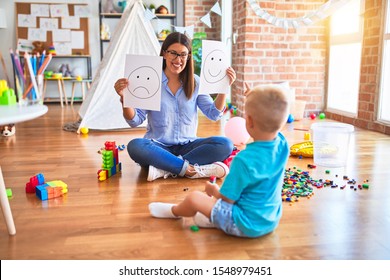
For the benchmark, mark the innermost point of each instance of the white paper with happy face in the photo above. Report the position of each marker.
(144, 75)
(213, 78)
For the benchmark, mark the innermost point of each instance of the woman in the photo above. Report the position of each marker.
(170, 146)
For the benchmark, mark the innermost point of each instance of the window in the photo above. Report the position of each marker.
(346, 34)
(384, 100)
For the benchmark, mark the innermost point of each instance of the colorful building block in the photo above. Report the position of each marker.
(34, 181)
(48, 190)
(7, 95)
(41, 192)
(51, 190)
(110, 161)
(9, 192)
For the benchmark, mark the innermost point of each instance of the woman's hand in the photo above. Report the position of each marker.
(231, 75)
(119, 86)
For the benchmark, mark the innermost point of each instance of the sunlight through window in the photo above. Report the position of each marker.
(344, 59)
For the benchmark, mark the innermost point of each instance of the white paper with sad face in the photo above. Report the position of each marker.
(213, 78)
(144, 75)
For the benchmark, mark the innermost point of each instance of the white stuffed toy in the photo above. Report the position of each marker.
(8, 130)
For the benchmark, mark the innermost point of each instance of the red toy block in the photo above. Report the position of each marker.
(36, 180)
(30, 188)
(110, 145)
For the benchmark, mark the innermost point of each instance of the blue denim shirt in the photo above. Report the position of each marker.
(177, 121)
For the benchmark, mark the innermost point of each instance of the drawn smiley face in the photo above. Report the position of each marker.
(144, 82)
(215, 66)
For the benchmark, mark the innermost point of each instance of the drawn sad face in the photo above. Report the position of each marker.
(215, 66)
(144, 82)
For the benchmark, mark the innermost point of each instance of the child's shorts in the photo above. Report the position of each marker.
(221, 217)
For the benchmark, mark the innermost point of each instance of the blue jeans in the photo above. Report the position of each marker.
(176, 158)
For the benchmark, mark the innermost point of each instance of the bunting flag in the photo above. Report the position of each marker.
(322, 12)
(180, 29)
(206, 20)
(149, 15)
(189, 30)
(217, 9)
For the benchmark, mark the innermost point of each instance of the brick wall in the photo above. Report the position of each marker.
(370, 73)
(268, 54)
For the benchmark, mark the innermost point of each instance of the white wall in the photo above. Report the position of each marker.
(8, 36)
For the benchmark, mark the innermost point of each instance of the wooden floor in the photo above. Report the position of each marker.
(110, 219)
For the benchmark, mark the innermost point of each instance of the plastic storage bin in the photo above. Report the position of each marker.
(331, 143)
(298, 110)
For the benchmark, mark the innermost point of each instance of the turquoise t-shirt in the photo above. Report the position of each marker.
(255, 183)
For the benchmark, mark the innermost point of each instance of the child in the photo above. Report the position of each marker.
(249, 203)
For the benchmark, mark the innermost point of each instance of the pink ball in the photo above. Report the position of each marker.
(313, 116)
(236, 131)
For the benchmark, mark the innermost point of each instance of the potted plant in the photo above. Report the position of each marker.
(152, 7)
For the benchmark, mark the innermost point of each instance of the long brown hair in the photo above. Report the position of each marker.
(187, 75)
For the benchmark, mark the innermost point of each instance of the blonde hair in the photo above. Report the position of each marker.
(268, 106)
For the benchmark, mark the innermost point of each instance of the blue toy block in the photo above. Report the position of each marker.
(41, 192)
(41, 178)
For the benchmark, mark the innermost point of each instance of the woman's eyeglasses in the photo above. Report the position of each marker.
(173, 55)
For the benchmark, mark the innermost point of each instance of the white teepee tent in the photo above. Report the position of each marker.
(134, 35)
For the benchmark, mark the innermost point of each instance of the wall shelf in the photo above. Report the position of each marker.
(111, 20)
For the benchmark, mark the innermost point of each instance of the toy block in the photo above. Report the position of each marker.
(116, 155)
(110, 145)
(41, 191)
(59, 184)
(36, 180)
(30, 188)
(45, 191)
(9, 192)
(53, 192)
(50, 192)
(3, 86)
(113, 170)
(115, 161)
(110, 161)
(41, 178)
(102, 175)
(8, 97)
(57, 191)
